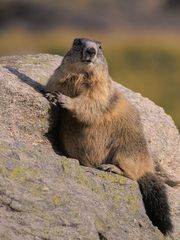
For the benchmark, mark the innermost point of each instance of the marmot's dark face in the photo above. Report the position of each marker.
(86, 54)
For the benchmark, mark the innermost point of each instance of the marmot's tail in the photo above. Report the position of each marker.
(155, 201)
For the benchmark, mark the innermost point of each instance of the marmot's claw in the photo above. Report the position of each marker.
(56, 98)
(61, 99)
(52, 98)
(110, 168)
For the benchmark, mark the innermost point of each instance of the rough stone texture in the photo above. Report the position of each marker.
(45, 196)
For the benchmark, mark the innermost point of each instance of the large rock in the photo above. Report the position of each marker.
(46, 196)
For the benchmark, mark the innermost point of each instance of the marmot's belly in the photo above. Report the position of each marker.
(88, 144)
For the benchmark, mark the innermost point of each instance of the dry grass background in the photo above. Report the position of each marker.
(145, 62)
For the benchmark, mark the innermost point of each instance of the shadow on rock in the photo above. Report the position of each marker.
(24, 78)
(53, 132)
(54, 111)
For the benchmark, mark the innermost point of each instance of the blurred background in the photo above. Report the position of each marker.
(141, 39)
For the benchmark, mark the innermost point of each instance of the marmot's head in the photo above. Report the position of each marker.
(85, 55)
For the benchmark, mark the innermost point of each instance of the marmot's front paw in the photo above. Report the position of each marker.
(64, 101)
(58, 98)
(52, 98)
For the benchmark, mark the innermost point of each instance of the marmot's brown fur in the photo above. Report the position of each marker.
(101, 128)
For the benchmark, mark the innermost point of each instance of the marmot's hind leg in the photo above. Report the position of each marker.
(134, 165)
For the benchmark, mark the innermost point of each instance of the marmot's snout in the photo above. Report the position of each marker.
(89, 54)
(87, 47)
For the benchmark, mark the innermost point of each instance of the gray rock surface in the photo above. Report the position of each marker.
(45, 196)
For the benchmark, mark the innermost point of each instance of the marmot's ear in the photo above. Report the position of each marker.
(100, 46)
(99, 43)
(76, 42)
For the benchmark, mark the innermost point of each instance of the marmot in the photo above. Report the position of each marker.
(101, 128)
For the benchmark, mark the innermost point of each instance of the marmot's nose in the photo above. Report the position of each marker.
(90, 51)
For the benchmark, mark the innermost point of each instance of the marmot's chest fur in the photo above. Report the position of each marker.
(94, 143)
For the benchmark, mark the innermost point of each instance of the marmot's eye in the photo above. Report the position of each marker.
(100, 46)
